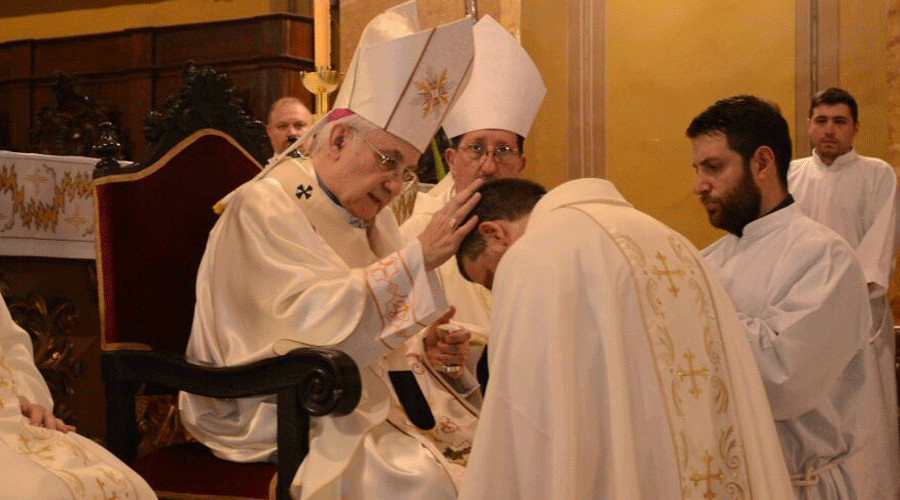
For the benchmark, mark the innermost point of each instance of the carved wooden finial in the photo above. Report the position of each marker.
(108, 148)
(206, 100)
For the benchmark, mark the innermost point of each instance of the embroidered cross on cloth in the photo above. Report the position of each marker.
(304, 191)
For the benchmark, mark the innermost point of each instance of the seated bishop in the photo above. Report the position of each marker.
(309, 254)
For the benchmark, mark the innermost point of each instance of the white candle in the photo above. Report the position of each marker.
(322, 33)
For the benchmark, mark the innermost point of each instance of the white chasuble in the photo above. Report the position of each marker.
(286, 267)
(43, 463)
(803, 301)
(857, 197)
(619, 368)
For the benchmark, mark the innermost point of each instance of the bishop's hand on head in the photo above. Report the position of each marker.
(441, 237)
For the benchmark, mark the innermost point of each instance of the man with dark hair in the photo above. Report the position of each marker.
(613, 352)
(856, 196)
(796, 286)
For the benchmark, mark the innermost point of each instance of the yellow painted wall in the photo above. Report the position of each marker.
(863, 71)
(543, 34)
(124, 16)
(666, 62)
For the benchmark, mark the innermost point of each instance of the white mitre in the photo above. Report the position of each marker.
(404, 80)
(505, 90)
(401, 79)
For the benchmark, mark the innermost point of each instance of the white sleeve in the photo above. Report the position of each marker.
(877, 249)
(810, 331)
(16, 345)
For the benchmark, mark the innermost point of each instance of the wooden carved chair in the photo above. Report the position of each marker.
(152, 224)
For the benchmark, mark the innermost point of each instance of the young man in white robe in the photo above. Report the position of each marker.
(618, 366)
(40, 455)
(309, 254)
(856, 196)
(798, 290)
(487, 126)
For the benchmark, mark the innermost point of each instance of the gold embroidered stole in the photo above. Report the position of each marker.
(682, 330)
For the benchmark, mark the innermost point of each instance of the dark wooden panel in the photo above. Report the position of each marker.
(260, 38)
(132, 72)
(18, 112)
(117, 52)
(15, 60)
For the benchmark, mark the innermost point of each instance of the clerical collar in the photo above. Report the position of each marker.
(786, 202)
(327, 191)
(353, 221)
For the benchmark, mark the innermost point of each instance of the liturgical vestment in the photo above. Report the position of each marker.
(285, 267)
(857, 197)
(619, 368)
(803, 301)
(43, 463)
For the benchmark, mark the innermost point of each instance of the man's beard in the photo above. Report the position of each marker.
(739, 206)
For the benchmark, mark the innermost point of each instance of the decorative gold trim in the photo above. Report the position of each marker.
(121, 346)
(187, 141)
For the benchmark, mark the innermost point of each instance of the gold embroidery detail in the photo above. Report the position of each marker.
(694, 332)
(721, 394)
(692, 373)
(665, 272)
(397, 308)
(433, 93)
(708, 477)
(42, 215)
(653, 300)
(665, 342)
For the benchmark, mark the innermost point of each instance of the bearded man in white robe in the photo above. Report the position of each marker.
(618, 365)
(487, 127)
(856, 196)
(798, 290)
(309, 254)
(42, 456)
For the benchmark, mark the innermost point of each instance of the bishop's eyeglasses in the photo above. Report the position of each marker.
(475, 151)
(389, 164)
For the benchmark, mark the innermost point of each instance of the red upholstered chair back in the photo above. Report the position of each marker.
(152, 226)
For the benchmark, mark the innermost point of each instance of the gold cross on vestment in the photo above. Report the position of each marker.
(703, 372)
(708, 478)
(665, 271)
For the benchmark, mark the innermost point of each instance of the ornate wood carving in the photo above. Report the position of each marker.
(108, 149)
(69, 127)
(206, 100)
(159, 422)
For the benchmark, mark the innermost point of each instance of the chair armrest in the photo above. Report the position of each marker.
(307, 381)
(329, 378)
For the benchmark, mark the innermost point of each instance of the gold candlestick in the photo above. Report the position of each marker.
(321, 82)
